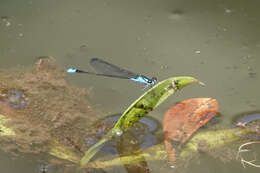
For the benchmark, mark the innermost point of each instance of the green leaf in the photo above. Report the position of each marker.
(140, 108)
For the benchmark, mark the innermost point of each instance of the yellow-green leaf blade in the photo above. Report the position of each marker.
(140, 108)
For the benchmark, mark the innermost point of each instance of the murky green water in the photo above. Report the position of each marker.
(215, 41)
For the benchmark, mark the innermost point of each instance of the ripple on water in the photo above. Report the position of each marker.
(13, 98)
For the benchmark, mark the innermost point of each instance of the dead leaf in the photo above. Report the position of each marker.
(185, 118)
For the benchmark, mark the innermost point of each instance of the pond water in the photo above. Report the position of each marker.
(216, 41)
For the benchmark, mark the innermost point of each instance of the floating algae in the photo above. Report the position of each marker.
(13, 98)
(41, 108)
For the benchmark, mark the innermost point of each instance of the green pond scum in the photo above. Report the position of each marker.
(140, 108)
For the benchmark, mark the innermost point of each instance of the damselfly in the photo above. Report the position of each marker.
(106, 69)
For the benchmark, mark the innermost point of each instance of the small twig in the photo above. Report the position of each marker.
(250, 163)
(201, 83)
(243, 161)
(73, 144)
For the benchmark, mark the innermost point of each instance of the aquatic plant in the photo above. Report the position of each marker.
(140, 108)
(141, 134)
(211, 140)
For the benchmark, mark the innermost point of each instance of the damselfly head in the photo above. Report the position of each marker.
(153, 81)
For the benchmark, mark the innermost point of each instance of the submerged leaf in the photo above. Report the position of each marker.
(185, 118)
(140, 108)
(212, 140)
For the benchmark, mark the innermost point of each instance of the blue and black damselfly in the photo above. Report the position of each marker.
(106, 69)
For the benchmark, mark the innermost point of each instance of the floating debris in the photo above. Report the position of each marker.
(251, 72)
(241, 150)
(73, 144)
(228, 11)
(44, 62)
(184, 119)
(13, 98)
(197, 51)
(42, 107)
(176, 15)
(83, 48)
(20, 34)
(252, 120)
(4, 18)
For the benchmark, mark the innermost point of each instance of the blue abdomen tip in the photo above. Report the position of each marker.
(71, 70)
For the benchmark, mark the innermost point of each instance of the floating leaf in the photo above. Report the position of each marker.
(141, 107)
(185, 118)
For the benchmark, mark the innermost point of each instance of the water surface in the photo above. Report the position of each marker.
(215, 41)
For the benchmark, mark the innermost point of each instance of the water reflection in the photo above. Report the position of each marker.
(142, 134)
(136, 139)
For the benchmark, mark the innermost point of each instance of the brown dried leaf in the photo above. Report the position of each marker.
(185, 118)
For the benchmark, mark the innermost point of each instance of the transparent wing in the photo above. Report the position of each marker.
(103, 67)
